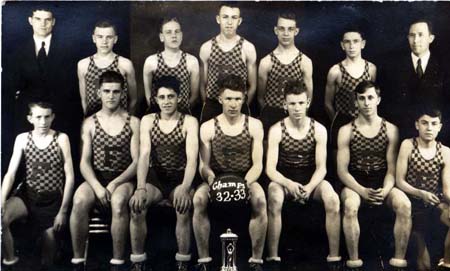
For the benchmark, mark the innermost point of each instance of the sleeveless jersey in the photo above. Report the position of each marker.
(168, 151)
(181, 72)
(297, 153)
(425, 174)
(222, 63)
(111, 153)
(368, 154)
(92, 84)
(44, 167)
(231, 153)
(277, 78)
(344, 100)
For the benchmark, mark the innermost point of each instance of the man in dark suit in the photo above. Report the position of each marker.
(415, 80)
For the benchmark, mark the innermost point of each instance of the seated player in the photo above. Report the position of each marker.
(231, 143)
(366, 166)
(423, 173)
(166, 170)
(296, 166)
(109, 156)
(44, 195)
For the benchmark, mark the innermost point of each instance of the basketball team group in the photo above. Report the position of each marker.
(169, 157)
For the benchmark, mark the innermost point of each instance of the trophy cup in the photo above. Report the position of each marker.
(229, 241)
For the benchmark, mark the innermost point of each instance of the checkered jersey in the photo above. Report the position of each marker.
(425, 174)
(222, 63)
(368, 154)
(344, 100)
(278, 76)
(44, 167)
(181, 72)
(297, 153)
(92, 77)
(168, 151)
(231, 153)
(111, 153)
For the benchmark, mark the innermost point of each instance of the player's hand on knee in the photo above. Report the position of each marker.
(139, 200)
(295, 189)
(429, 197)
(104, 196)
(59, 222)
(111, 187)
(182, 199)
(376, 196)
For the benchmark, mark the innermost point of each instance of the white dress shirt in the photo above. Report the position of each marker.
(38, 43)
(424, 60)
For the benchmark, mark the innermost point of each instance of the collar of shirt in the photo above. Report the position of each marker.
(38, 43)
(424, 60)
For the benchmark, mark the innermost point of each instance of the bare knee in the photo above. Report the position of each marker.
(331, 203)
(276, 199)
(200, 201)
(81, 205)
(351, 208)
(119, 205)
(258, 202)
(403, 209)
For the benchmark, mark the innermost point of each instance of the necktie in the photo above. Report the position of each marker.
(419, 69)
(42, 56)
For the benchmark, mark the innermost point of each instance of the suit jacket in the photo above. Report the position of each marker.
(403, 92)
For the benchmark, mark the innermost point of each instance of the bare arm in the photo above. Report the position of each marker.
(330, 91)
(63, 141)
(391, 159)
(274, 140)
(402, 167)
(263, 73)
(144, 151)
(150, 66)
(250, 54)
(194, 71)
(81, 71)
(191, 125)
(321, 157)
(257, 133)
(8, 179)
(128, 68)
(205, 52)
(446, 174)
(307, 68)
(373, 72)
(206, 135)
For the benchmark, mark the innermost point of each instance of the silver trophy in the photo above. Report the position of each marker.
(229, 241)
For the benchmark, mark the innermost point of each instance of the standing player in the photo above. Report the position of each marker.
(284, 63)
(343, 78)
(231, 143)
(366, 166)
(105, 59)
(423, 173)
(45, 194)
(166, 169)
(296, 165)
(172, 62)
(227, 53)
(110, 147)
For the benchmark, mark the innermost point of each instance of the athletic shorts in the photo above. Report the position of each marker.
(164, 180)
(340, 119)
(269, 116)
(42, 206)
(299, 175)
(212, 108)
(105, 177)
(424, 216)
(373, 179)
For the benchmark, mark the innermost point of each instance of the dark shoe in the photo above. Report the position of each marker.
(334, 266)
(203, 267)
(395, 268)
(273, 265)
(182, 266)
(354, 268)
(78, 267)
(255, 267)
(139, 266)
(117, 267)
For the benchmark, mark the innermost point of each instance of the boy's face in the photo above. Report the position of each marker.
(229, 19)
(171, 35)
(232, 101)
(297, 105)
(41, 118)
(286, 30)
(104, 39)
(110, 94)
(352, 43)
(419, 38)
(428, 127)
(42, 23)
(167, 100)
(368, 102)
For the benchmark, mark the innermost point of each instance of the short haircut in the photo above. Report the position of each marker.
(104, 24)
(111, 77)
(427, 110)
(231, 4)
(168, 20)
(365, 85)
(232, 82)
(41, 104)
(423, 20)
(41, 8)
(167, 81)
(294, 86)
(352, 28)
(288, 16)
